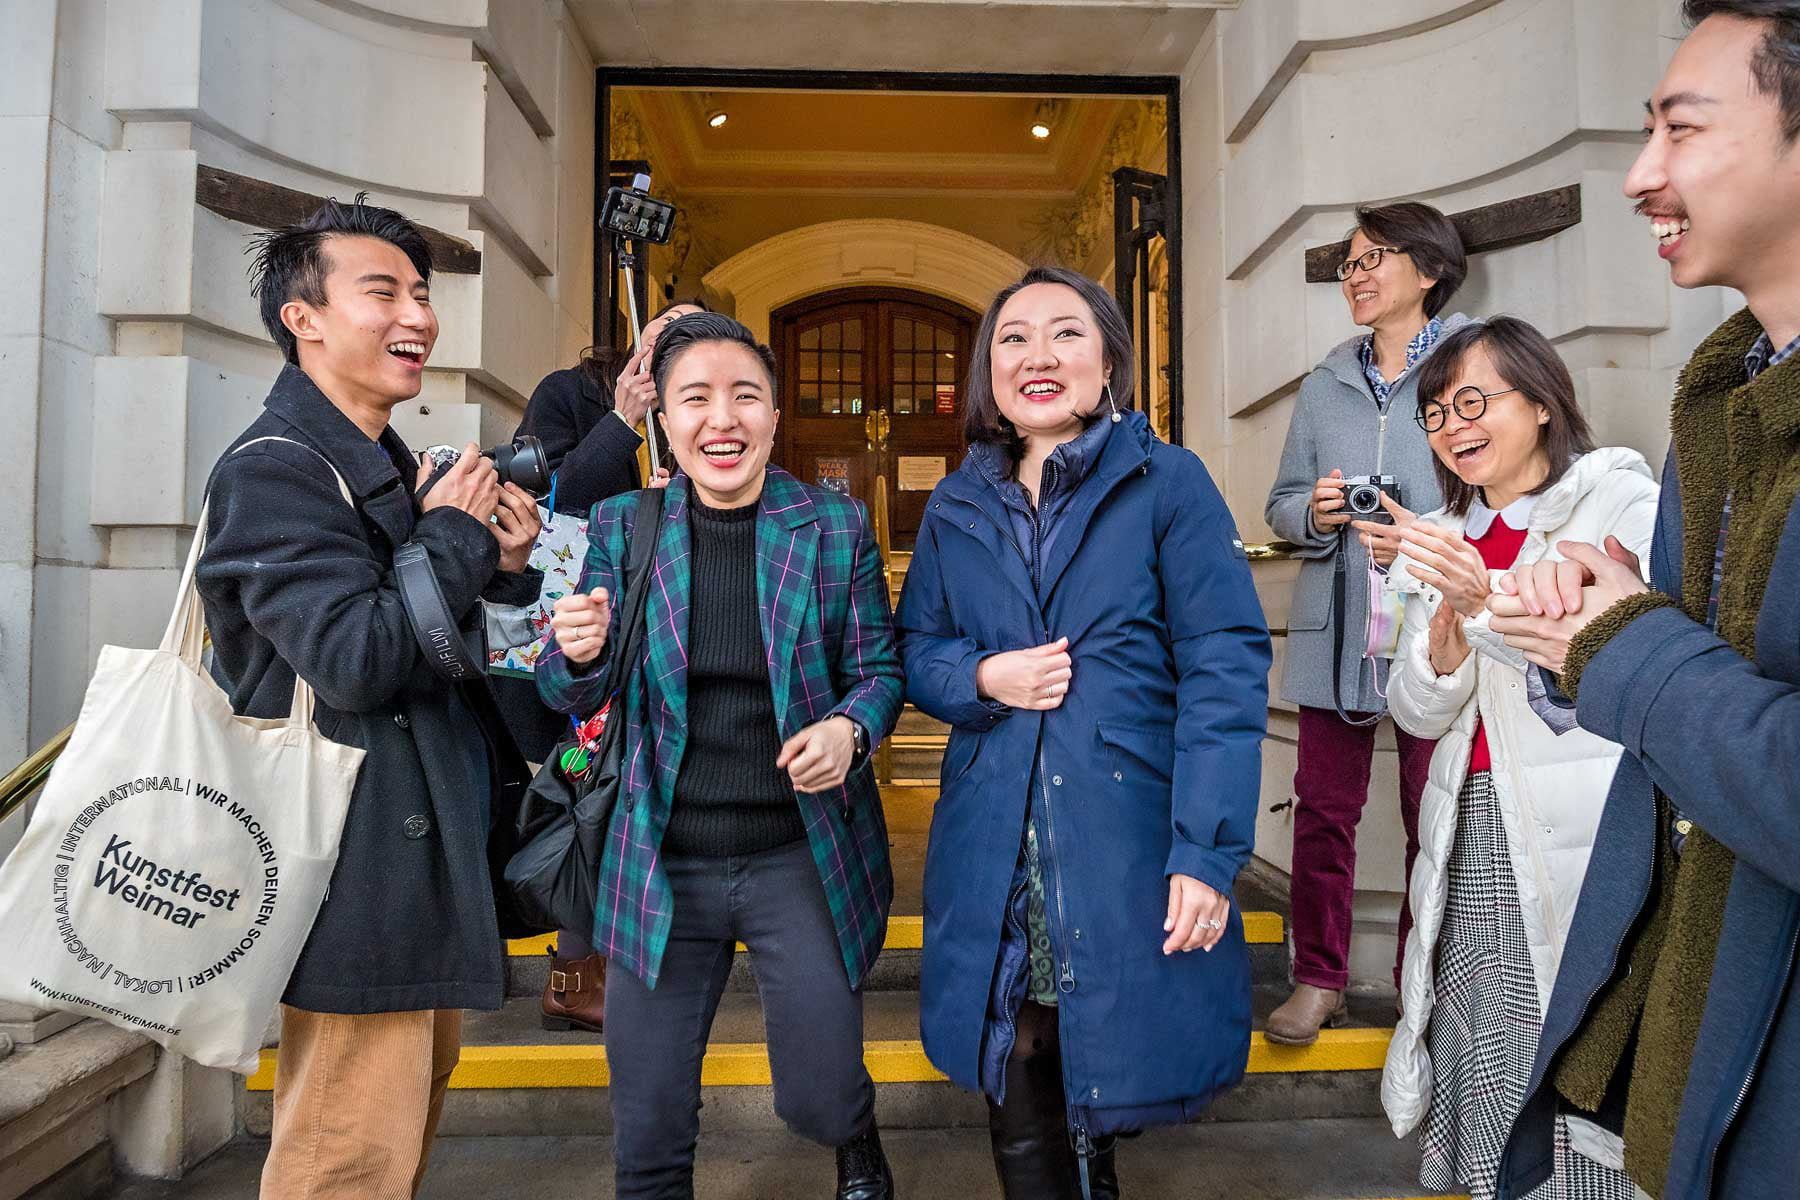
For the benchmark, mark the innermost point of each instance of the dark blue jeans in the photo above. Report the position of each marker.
(774, 903)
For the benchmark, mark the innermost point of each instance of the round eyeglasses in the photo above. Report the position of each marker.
(1368, 260)
(1470, 403)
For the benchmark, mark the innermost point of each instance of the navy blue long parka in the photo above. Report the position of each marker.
(1150, 767)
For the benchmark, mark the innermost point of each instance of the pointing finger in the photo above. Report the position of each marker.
(1402, 514)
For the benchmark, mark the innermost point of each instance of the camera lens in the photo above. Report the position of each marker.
(1364, 498)
(522, 462)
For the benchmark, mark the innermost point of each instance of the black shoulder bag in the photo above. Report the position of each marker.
(554, 876)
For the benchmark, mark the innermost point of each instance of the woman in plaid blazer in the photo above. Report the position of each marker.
(748, 811)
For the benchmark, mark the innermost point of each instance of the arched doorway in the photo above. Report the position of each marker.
(872, 381)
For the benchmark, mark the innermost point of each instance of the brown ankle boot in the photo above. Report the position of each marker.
(575, 997)
(1298, 1020)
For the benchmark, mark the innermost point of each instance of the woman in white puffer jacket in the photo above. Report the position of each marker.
(1509, 813)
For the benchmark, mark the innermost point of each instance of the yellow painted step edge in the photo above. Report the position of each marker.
(746, 1064)
(908, 933)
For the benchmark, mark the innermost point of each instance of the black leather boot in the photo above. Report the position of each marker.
(863, 1172)
(1030, 1132)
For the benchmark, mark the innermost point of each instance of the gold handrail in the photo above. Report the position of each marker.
(29, 775)
(1269, 551)
(878, 520)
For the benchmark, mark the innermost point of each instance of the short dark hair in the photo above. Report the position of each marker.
(602, 362)
(1427, 237)
(982, 420)
(684, 333)
(290, 263)
(1526, 360)
(1776, 65)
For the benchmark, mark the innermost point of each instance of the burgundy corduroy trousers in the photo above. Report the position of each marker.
(1330, 788)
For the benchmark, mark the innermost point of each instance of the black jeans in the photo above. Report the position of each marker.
(774, 903)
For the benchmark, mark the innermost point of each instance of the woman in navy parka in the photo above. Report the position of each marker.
(1080, 612)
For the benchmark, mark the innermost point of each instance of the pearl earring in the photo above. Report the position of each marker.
(1109, 402)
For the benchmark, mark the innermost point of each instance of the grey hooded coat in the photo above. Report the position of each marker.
(1337, 424)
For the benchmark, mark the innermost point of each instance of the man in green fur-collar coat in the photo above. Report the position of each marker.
(1673, 1025)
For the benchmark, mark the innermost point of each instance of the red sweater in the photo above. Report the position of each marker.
(1499, 548)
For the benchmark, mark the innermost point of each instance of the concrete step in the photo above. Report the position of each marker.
(1343, 1159)
(528, 959)
(914, 721)
(55, 1097)
(917, 755)
(516, 1079)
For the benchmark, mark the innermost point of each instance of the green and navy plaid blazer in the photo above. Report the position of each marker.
(829, 636)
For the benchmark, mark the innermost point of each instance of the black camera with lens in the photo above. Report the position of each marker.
(519, 461)
(1362, 497)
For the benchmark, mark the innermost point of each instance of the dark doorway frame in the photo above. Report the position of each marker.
(876, 372)
(1164, 87)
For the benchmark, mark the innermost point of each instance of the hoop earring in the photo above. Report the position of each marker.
(1109, 402)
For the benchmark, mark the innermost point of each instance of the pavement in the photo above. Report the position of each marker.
(1341, 1159)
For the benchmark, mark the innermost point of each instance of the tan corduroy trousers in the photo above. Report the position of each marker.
(357, 1099)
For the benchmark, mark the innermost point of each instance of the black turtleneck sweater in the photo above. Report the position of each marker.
(729, 797)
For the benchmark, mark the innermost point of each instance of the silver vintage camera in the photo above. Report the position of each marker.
(1362, 496)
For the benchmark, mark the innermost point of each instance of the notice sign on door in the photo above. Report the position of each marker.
(920, 474)
(834, 473)
(946, 399)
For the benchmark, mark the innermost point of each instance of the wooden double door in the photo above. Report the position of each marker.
(872, 387)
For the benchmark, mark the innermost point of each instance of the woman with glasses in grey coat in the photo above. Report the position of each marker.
(1353, 419)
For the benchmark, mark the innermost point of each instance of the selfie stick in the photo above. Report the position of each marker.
(628, 260)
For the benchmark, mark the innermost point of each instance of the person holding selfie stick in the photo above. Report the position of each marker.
(587, 417)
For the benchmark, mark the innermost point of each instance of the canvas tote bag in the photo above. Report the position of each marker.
(179, 852)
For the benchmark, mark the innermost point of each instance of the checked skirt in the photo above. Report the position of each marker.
(1485, 1023)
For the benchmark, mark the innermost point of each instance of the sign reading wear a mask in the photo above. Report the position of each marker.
(833, 474)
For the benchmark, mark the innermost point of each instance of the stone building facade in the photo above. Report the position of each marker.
(130, 352)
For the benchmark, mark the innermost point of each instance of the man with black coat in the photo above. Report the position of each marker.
(308, 508)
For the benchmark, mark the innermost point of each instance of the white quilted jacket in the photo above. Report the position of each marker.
(1550, 788)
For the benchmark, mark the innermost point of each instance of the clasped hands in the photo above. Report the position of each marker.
(1538, 609)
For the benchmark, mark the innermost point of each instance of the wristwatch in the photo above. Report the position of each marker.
(861, 738)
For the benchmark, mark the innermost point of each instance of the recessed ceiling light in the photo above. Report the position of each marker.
(1043, 119)
(717, 118)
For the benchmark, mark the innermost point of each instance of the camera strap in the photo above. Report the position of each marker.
(443, 643)
(1339, 615)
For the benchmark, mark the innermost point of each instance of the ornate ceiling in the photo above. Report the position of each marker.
(862, 142)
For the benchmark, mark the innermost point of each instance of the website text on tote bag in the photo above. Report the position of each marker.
(179, 852)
